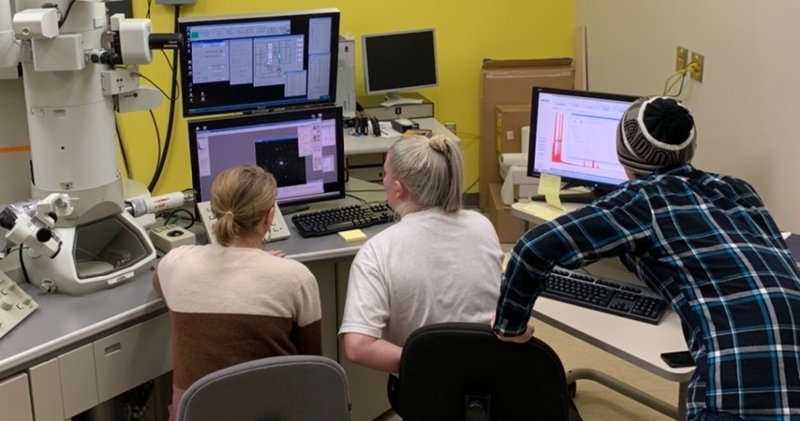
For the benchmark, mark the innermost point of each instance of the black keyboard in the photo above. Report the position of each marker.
(605, 295)
(331, 221)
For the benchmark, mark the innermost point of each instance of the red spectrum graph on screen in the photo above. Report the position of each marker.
(558, 143)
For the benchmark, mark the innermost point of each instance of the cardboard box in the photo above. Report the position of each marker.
(511, 118)
(506, 224)
(511, 82)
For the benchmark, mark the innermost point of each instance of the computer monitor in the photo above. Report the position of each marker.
(573, 135)
(399, 61)
(256, 62)
(303, 149)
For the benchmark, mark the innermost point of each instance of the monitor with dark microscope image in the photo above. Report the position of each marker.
(303, 149)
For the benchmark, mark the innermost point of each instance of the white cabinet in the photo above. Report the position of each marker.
(83, 378)
(133, 356)
(15, 399)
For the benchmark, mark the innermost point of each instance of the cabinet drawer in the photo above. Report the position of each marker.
(133, 356)
(15, 399)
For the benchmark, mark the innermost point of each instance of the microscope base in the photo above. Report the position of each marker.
(94, 256)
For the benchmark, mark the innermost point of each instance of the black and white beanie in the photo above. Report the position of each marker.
(654, 133)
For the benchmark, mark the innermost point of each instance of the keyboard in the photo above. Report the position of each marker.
(605, 295)
(331, 221)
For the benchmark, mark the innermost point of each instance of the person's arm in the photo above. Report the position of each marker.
(372, 352)
(618, 224)
(306, 332)
(366, 314)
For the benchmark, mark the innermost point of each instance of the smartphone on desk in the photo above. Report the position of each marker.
(678, 359)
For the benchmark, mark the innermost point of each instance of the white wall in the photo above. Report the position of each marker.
(747, 109)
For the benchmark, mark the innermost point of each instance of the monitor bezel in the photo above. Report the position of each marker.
(183, 22)
(365, 61)
(534, 123)
(267, 118)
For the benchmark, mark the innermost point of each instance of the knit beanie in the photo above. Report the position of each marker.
(654, 133)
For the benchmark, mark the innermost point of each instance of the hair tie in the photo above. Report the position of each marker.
(229, 213)
(438, 143)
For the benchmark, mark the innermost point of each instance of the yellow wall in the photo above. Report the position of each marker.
(467, 31)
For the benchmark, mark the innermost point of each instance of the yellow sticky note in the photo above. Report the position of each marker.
(352, 235)
(545, 213)
(550, 187)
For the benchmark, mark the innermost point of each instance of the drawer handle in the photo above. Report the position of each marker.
(113, 349)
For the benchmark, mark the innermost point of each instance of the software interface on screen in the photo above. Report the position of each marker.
(398, 61)
(235, 64)
(303, 154)
(575, 138)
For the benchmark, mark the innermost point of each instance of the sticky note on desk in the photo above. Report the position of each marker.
(543, 212)
(352, 235)
(550, 188)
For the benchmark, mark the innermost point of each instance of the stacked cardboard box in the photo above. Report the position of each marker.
(506, 90)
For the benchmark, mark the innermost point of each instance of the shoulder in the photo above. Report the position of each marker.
(182, 253)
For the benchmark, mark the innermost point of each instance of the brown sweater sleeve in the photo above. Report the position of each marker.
(307, 339)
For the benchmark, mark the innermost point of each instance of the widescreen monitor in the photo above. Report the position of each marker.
(303, 149)
(399, 61)
(258, 62)
(573, 135)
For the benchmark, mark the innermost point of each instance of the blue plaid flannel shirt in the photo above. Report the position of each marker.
(707, 244)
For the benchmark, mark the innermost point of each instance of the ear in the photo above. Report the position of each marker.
(400, 190)
(270, 215)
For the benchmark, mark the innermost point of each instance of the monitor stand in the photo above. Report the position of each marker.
(576, 197)
(394, 99)
(582, 198)
(288, 210)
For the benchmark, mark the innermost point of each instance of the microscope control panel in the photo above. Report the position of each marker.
(15, 304)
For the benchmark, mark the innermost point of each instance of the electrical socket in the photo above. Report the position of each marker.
(681, 58)
(697, 73)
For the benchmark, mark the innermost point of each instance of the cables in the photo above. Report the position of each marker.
(122, 150)
(158, 135)
(163, 158)
(681, 74)
(169, 98)
(66, 14)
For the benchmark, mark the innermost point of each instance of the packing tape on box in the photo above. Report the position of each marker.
(518, 159)
(525, 138)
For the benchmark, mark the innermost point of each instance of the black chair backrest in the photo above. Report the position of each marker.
(452, 371)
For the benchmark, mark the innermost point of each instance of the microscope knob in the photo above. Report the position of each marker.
(6, 303)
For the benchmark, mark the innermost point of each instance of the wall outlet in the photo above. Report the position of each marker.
(681, 58)
(697, 74)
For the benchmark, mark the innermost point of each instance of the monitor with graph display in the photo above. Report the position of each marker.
(573, 135)
(303, 149)
(258, 62)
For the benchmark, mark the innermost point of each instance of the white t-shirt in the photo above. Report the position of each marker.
(431, 267)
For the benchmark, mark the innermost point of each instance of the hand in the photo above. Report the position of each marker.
(276, 253)
(521, 339)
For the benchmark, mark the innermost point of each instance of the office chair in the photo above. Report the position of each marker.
(461, 371)
(285, 388)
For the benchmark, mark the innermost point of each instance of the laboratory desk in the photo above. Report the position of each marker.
(638, 343)
(365, 154)
(74, 353)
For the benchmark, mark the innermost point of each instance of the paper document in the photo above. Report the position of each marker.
(543, 212)
(550, 188)
(387, 132)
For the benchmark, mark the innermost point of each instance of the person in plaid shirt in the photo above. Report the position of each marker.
(703, 241)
